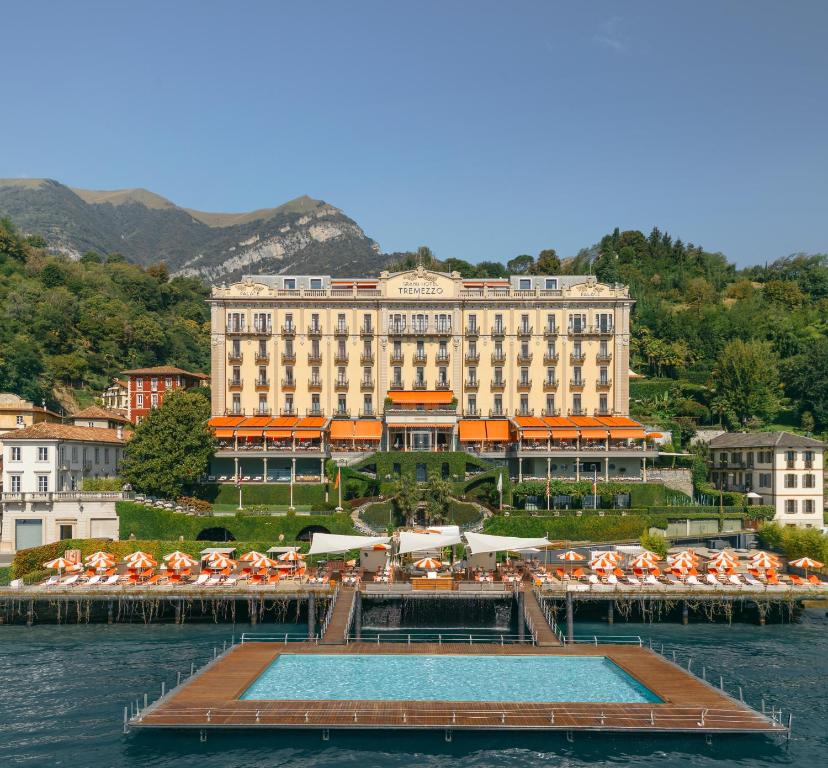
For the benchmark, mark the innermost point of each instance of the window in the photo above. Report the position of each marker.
(764, 480)
(790, 459)
(808, 506)
(395, 470)
(498, 323)
(15, 453)
(262, 322)
(421, 473)
(236, 406)
(808, 457)
(74, 453)
(65, 531)
(340, 322)
(472, 404)
(316, 408)
(367, 324)
(790, 481)
(551, 283)
(42, 453)
(289, 322)
(576, 404)
(444, 470)
(289, 404)
(603, 405)
(289, 283)
(366, 377)
(235, 322)
(14, 481)
(809, 481)
(19, 421)
(442, 377)
(498, 375)
(139, 401)
(340, 376)
(263, 403)
(550, 376)
(604, 322)
(168, 382)
(473, 323)
(316, 283)
(577, 375)
(602, 375)
(263, 375)
(524, 349)
(139, 382)
(524, 376)
(106, 455)
(314, 375)
(577, 323)
(43, 483)
(472, 375)
(397, 380)
(342, 404)
(790, 506)
(154, 383)
(153, 400)
(550, 405)
(97, 455)
(367, 405)
(498, 405)
(524, 404)
(603, 349)
(420, 376)
(525, 283)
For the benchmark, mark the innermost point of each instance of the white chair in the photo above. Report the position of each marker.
(93, 580)
(109, 581)
(735, 580)
(612, 579)
(50, 581)
(593, 579)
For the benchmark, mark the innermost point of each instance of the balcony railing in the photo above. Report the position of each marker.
(235, 357)
(550, 358)
(577, 383)
(314, 410)
(342, 412)
(264, 328)
(551, 412)
(603, 412)
(419, 384)
(314, 358)
(262, 383)
(472, 358)
(498, 331)
(367, 413)
(443, 357)
(420, 357)
(288, 358)
(472, 330)
(366, 384)
(473, 412)
(262, 357)
(498, 358)
(397, 358)
(367, 330)
(235, 328)
(524, 330)
(576, 412)
(498, 385)
(472, 383)
(288, 329)
(550, 384)
(315, 384)
(550, 331)
(396, 385)
(340, 357)
(603, 384)
(235, 383)
(524, 358)
(340, 384)
(288, 411)
(521, 411)
(262, 410)
(288, 383)
(366, 358)
(577, 357)
(493, 412)
(314, 330)
(524, 384)
(603, 357)
(340, 330)
(442, 385)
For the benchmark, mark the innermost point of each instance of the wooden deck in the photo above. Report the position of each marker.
(210, 699)
(544, 635)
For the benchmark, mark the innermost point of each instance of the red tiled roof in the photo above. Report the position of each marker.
(164, 370)
(48, 431)
(96, 412)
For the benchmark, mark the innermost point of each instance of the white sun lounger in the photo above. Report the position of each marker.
(634, 581)
(201, 579)
(712, 580)
(229, 581)
(652, 581)
(68, 582)
(93, 580)
(612, 579)
(50, 581)
(593, 579)
(753, 581)
(694, 581)
(110, 580)
(735, 580)
(212, 581)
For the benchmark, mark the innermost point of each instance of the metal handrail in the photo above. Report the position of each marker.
(442, 637)
(329, 613)
(285, 637)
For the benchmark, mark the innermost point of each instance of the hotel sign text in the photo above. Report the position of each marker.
(420, 288)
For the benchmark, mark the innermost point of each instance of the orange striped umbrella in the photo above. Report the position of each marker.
(136, 556)
(177, 555)
(143, 560)
(179, 560)
(251, 556)
(60, 563)
(605, 561)
(428, 564)
(646, 561)
(100, 560)
(571, 556)
(806, 563)
(263, 562)
(723, 561)
(764, 560)
(219, 562)
(292, 556)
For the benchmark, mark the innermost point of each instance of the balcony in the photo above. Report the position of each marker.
(603, 412)
(342, 412)
(340, 329)
(443, 356)
(444, 329)
(288, 358)
(396, 385)
(577, 330)
(472, 412)
(524, 358)
(497, 385)
(551, 412)
(397, 358)
(577, 383)
(396, 329)
(602, 330)
(419, 384)
(288, 410)
(262, 357)
(340, 385)
(524, 411)
(524, 385)
(288, 329)
(472, 358)
(235, 384)
(367, 413)
(366, 358)
(314, 358)
(499, 357)
(442, 385)
(235, 328)
(603, 384)
(576, 412)
(497, 412)
(498, 331)
(262, 329)
(315, 385)
(549, 385)
(420, 357)
(262, 410)
(262, 384)
(315, 330)
(289, 383)
(550, 358)
(577, 358)
(366, 330)
(235, 357)
(472, 331)
(314, 410)
(340, 357)
(471, 383)
(550, 331)
(603, 358)
(524, 330)
(366, 384)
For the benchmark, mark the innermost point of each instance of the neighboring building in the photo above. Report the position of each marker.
(101, 418)
(532, 371)
(146, 387)
(785, 470)
(17, 413)
(47, 458)
(116, 396)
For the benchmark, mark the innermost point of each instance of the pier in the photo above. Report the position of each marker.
(210, 699)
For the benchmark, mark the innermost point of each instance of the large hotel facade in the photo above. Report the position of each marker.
(531, 371)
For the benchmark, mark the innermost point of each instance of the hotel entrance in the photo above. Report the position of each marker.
(420, 438)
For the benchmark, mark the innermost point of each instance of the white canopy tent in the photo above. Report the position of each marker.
(447, 529)
(323, 543)
(423, 542)
(483, 542)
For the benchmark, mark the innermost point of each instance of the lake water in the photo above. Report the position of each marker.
(64, 688)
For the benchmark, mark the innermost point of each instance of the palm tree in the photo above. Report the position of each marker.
(406, 499)
(438, 495)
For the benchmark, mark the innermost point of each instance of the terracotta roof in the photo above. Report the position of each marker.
(164, 370)
(96, 412)
(764, 440)
(47, 431)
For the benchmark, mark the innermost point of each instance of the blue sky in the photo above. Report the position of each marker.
(483, 129)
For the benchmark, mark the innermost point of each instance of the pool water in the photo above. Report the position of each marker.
(397, 677)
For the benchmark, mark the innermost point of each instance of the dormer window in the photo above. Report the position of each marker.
(289, 283)
(525, 283)
(551, 284)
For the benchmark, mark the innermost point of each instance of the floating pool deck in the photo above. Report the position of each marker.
(210, 699)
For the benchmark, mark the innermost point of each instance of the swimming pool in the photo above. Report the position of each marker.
(398, 677)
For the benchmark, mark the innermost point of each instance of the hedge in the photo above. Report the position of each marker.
(461, 514)
(587, 528)
(665, 514)
(384, 461)
(729, 498)
(377, 515)
(641, 494)
(264, 493)
(149, 523)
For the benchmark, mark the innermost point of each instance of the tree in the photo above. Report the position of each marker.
(746, 382)
(655, 542)
(171, 448)
(438, 497)
(807, 380)
(406, 499)
(548, 263)
(520, 265)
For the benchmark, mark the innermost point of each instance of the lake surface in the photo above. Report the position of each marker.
(64, 688)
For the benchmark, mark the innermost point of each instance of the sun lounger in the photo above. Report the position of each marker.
(273, 578)
(93, 580)
(797, 580)
(255, 581)
(693, 581)
(735, 580)
(815, 580)
(633, 581)
(672, 579)
(50, 581)
(593, 579)
(201, 579)
(753, 582)
(612, 579)
(212, 581)
(652, 581)
(712, 580)
(68, 582)
(229, 581)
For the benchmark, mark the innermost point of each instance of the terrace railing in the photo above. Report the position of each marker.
(442, 637)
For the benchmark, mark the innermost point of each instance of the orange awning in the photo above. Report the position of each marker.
(256, 421)
(223, 433)
(225, 421)
(627, 434)
(564, 434)
(367, 429)
(618, 421)
(529, 421)
(585, 421)
(558, 421)
(311, 422)
(472, 430)
(654, 435)
(420, 426)
(308, 434)
(342, 429)
(534, 434)
(273, 434)
(497, 429)
(425, 397)
(283, 421)
(249, 432)
(594, 434)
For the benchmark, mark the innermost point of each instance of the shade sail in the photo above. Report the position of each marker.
(534, 434)
(422, 542)
(472, 430)
(331, 542)
(497, 429)
(439, 397)
(368, 429)
(342, 429)
(483, 542)
(249, 432)
(627, 434)
(223, 433)
(594, 434)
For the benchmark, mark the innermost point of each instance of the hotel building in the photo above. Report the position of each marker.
(531, 371)
(146, 387)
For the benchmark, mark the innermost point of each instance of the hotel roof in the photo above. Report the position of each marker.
(48, 431)
(164, 370)
(96, 412)
(764, 440)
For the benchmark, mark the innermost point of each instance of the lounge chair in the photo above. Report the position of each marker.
(652, 581)
(671, 578)
(68, 582)
(93, 580)
(201, 579)
(50, 581)
(693, 581)
(712, 580)
(796, 580)
(212, 581)
(735, 580)
(110, 580)
(593, 579)
(273, 578)
(633, 581)
(612, 579)
(754, 582)
(815, 580)
(773, 580)
(255, 580)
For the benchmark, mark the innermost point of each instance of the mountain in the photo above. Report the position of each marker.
(303, 236)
